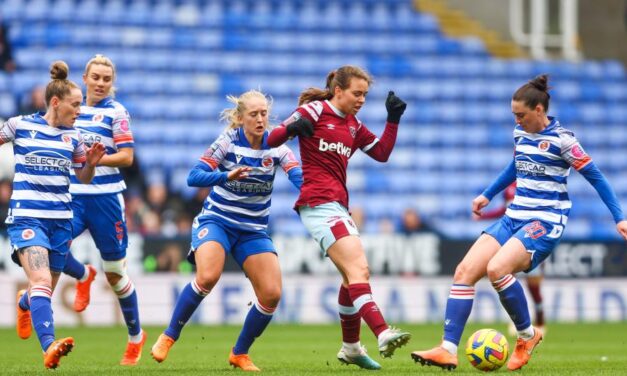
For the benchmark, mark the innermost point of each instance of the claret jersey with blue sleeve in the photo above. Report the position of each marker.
(107, 122)
(244, 203)
(44, 157)
(543, 161)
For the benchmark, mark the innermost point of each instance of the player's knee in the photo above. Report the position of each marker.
(461, 272)
(359, 273)
(270, 297)
(41, 279)
(495, 271)
(207, 279)
(117, 277)
(113, 278)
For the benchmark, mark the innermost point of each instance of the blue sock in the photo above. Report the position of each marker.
(24, 303)
(458, 307)
(73, 267)
(130, 312)
(513, 299)
(41, 313)
(189, 299)
(256, 322)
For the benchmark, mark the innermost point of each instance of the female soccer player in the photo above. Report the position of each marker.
(329, 135)
(99, 206)
(46, 147)
(240, 166)
(531, 227)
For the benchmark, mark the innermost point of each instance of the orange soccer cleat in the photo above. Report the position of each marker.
(523, 350)
(133, 352)
(162, 347)
(242, 361)
(81, 301)
(56, 350)
(24, 323)
(437, 356)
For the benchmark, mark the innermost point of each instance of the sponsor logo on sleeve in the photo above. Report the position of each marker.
(203, 233)
(124, 126)
(578, 152)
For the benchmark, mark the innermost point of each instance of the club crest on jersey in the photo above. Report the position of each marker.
(203, 233)
(544, 145)
(98, 118)
(67, 139)
(353, 131)
(267, 162)
(28, 234)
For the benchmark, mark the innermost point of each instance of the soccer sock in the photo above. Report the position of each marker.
(74, 268)
(361, 295)
(256, 322)
(458, 308)
(513, 299)
(24, 302)
(41, 313)
(350, 319)
(536, 294)
(189, 299)
(125, 290)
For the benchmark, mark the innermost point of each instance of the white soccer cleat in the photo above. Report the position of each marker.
(361, 359)
(391, 339)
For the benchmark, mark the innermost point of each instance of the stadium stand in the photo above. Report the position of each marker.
(177, 59)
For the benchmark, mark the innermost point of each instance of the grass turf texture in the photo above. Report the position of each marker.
(572, 349)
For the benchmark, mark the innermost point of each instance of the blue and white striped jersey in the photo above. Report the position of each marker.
(44, 157)
(107, 122)
(246, 202)
(543, 162)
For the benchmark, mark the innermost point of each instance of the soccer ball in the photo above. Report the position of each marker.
(487, 349)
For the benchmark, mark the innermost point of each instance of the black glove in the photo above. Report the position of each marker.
(301, 127)
(395, 107)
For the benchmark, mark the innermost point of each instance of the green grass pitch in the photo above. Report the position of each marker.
(568, 349)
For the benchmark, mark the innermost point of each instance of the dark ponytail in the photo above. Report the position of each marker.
(534, 92)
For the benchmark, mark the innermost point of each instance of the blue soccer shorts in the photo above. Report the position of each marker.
(327, 223)
(238, 242)
(539, 237)
(52, 234)
(103, 216)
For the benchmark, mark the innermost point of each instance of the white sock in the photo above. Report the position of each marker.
(450, 347)
(527, 333)
(137, 338)
(352, 348)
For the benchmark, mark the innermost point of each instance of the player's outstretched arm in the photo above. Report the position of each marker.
(203, 176)
(395, 107)
(93, 156)
(290, 128)
(621, 227)
(595, 177)
(381, 151)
